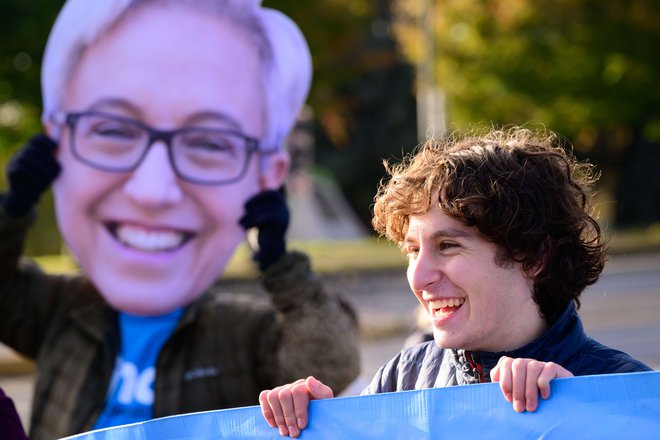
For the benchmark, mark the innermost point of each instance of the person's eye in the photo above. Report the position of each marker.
(111, 129)
(211, 144)
(447, 245)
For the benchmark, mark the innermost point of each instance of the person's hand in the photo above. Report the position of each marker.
(521, 380)
(267, 211)
(285, 407)
(29, 173)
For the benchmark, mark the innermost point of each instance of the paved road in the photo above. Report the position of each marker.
(622, 310)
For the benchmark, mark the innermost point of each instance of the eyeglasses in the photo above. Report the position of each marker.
(204, 156)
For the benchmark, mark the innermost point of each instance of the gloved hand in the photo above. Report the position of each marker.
(29, 173)
(267, 211)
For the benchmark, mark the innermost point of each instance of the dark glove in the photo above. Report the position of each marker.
(267, 211)
(29, 173)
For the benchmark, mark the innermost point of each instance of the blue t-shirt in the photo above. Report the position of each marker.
(131, 394)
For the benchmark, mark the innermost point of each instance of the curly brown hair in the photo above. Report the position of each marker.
(520, 189)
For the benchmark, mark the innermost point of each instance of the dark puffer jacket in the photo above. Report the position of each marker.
(565, 343)
(224, 351)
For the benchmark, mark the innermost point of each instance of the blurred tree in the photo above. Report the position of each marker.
(362, 93)
(585, 68)
(24, 27)
(588, 69)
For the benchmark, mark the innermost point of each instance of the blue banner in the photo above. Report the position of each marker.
(588, 407)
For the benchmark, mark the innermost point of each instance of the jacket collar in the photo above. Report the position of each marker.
(557, 344)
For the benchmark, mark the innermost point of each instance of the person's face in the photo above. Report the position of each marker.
(472, 303)
(148, 240)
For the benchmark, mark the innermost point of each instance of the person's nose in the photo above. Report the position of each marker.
(154, 183)
(423, 272)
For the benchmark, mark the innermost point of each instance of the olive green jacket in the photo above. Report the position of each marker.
(225, 350)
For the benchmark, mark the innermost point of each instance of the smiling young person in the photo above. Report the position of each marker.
(169, 118)
(500, 241)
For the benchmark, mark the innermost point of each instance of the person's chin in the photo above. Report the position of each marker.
(142, 304)
(444, 340)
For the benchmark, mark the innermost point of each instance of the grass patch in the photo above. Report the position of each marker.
(635, 240)
(326, 256)
(57, 263)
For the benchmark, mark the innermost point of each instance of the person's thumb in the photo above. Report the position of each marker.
(495, 373)
(318, 389)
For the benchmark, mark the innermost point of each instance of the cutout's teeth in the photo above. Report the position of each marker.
(150, 241)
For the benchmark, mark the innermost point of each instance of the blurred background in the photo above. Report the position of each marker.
(388, 73)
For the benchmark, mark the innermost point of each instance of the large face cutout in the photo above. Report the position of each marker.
(149, 241)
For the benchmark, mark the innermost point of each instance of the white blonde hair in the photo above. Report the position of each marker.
(286, 62)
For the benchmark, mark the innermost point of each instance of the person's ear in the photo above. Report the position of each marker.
(273, 169)
(53, 131)
(534, 271)
(542, 260)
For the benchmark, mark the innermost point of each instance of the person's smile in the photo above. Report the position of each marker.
(149, 239)
(443, 309)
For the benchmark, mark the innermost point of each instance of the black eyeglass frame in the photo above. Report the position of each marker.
(166, 136)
